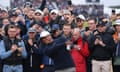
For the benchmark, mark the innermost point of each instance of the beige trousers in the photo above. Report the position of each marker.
(101, 66)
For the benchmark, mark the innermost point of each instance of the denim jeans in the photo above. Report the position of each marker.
(10, 68)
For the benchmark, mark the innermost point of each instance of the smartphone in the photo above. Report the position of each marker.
(69, 2)
(87, 28)
(99, 37)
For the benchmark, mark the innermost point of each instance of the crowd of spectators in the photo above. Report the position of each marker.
(62, 39)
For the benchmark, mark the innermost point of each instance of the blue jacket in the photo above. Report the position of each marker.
(4, 54)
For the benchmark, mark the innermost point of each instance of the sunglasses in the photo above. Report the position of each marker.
(53, 13)
(78, 20)
(37, 14)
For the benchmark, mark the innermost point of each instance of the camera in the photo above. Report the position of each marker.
(98, 37)
(28, 4)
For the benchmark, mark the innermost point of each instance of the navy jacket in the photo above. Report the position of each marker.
(58, 52)
(46, 60)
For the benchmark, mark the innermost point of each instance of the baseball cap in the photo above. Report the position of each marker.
(13, 14)
(66, 12)
(81, 17)
(39, 11)
(31, 30)
(44, 34)
(55, 27)
(117, 22)
(4, 10)
(101, 23)
(54, 11)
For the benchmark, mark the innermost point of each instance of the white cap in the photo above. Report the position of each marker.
(4, 9)
(117, 22)
(81, 17)
(54, 11)
(44, 34)
(39, 11)
(66, 12)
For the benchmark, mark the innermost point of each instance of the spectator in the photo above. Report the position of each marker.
(4, 13)
(56, 32)
(30, 17)
(18, 11)
(39, 17)
(116, 37)
(118, 16)
(102, 45)
(38, 28)
(67, 31)
(80, 19)
(33, 60)
(53, 16)
(5, 22)
(79, 51)
(12, 51)
(2, 33)
(13, 17)
(65, 17)
(18, 32)
(91, 27)
(19, 21)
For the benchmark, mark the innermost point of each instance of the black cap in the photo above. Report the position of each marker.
(38, 23)
(101, 23)
(55, 27)
(13, 14)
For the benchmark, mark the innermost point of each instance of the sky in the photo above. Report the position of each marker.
(5, 3)
(105, 2)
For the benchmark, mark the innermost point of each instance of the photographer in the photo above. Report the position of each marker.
(79, 51)
(102, 45)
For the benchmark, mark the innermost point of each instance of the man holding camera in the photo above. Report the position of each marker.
(102, 45)
(12, 51)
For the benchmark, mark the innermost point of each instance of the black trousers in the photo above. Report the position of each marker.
(48, 68)
(1, 66)
(89, 64)
(116, 68)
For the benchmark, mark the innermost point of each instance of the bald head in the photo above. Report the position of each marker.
(76, 30)
(76, 33)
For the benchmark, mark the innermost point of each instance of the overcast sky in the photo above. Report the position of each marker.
(5, 2)
(105, 2)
